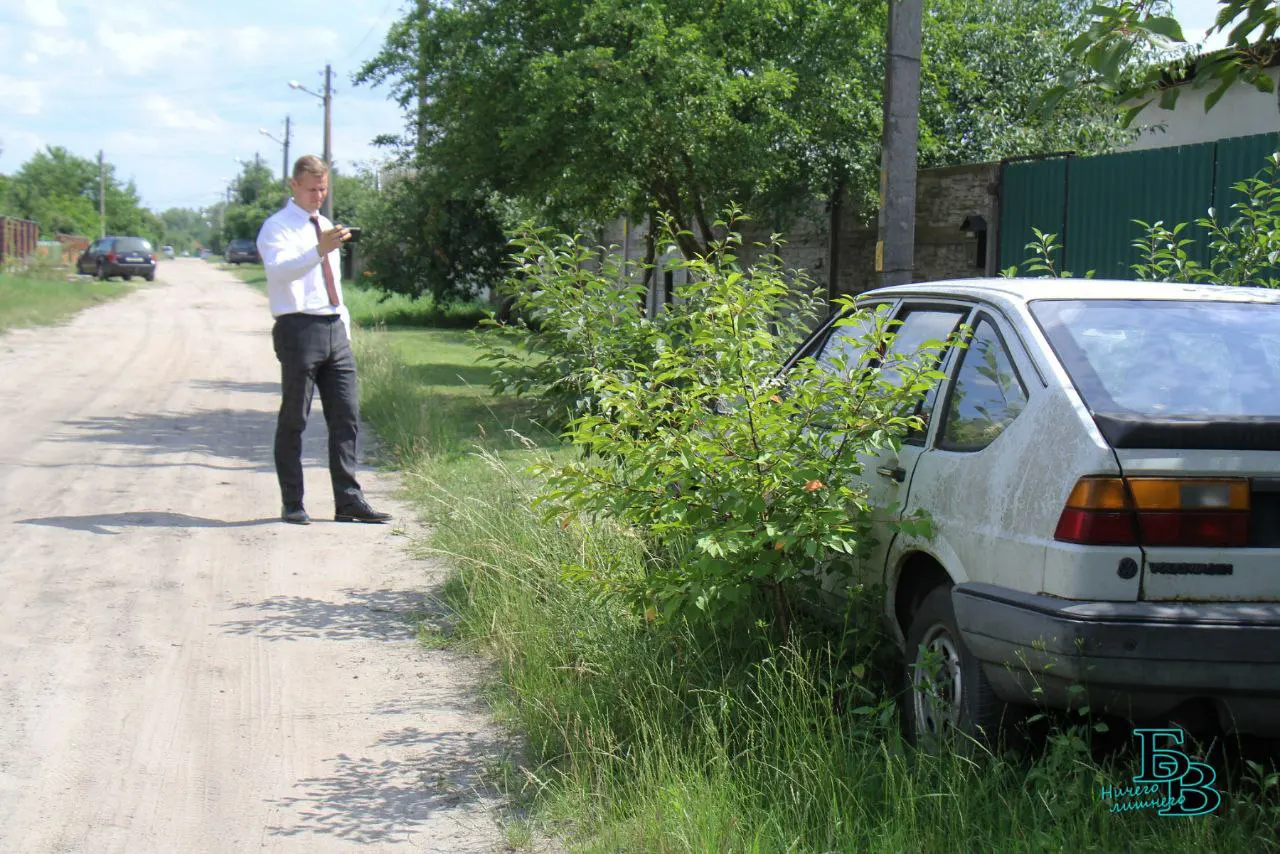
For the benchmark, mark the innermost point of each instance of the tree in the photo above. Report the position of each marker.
(186, 228)
(256, 195)
(1135, 49)
(985, 71)
(580, 110)
(60, 191)
(589, 108)
(417, 242)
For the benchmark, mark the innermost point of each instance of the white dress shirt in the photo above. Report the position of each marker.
(290, 252)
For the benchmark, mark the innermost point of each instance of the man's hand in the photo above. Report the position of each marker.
(332, 239)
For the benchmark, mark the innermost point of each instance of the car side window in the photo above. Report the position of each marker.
(846, 344)
(919, 327)
(988, 393)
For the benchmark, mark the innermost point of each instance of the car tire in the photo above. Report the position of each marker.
(150, 277)
(947, 694)
(101, 272)
(127, 278)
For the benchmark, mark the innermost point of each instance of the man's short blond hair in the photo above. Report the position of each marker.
(309, 164)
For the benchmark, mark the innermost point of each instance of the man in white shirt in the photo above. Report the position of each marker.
(312, 337)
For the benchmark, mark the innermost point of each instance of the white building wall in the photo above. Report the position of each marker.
(1242, 111)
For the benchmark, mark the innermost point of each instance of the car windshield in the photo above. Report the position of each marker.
(1169, 359)
(133, 244)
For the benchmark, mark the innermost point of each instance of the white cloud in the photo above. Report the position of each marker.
(57, 46)
(137, 53)
(23, 97)
(166, 114)
(45, 13)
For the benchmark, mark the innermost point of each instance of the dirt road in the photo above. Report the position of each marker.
(179, 671)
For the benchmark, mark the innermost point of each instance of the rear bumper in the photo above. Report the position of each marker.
(1140, 659)
(129, 269)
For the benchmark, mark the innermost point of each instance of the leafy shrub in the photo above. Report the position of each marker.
(739, 477)
(575, 309)
(1243, 251)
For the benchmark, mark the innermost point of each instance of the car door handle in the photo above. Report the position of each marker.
(897, 473)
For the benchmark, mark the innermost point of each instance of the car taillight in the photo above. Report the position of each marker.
(111, 256)
(1156, 511)
(153, 257)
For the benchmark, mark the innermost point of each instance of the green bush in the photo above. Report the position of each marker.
(739, 480)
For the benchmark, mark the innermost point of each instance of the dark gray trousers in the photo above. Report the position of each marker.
(314, 353)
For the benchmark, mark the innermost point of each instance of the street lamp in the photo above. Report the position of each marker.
(327, 98)
(284, 170)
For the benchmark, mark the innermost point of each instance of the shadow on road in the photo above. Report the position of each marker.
(101, 523)
(368, 801)
(245, 435)
(366, 614)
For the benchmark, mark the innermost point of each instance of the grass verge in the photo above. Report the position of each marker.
(371, 307)
(47, 297)
(645, 738)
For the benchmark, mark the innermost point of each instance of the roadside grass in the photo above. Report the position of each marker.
(643, 737)
(47, 296)
(372, 307)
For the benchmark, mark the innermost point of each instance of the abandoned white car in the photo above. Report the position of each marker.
(1102, 467)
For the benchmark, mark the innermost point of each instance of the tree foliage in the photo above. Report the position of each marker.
(1136, 49)
(60, 191)
(421, 242)
(580, 110)
(986, 70)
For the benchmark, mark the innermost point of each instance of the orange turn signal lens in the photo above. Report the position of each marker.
(1160, 493)
(1098, 493)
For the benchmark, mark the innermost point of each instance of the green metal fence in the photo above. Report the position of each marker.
(1091, 202)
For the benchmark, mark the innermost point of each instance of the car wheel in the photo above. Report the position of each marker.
(947, 692)
(102, 271)
(128, 278)
(151, 277)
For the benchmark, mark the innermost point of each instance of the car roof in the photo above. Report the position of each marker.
(1027, 290)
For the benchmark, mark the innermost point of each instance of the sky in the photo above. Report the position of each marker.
(174, 92)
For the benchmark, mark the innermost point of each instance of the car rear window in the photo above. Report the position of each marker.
(133, 244)
(1169, 359)
(240, 244)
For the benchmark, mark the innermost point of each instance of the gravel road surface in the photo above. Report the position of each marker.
(179, 671)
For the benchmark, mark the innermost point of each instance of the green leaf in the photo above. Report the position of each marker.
(1164, 26)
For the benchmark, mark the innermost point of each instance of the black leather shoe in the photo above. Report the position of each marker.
(294, 514)
(360, 513)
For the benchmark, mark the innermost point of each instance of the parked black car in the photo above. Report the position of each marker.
(118, 256)
(242, 252)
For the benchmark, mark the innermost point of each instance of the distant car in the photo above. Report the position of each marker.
(168, 252)
(242, 252)
(118, 256)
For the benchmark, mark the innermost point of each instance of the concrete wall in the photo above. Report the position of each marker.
(944, 199)
(1243, 111)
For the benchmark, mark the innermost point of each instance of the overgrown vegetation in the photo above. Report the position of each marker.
(652, 736)
(701, 728)
(692, 436)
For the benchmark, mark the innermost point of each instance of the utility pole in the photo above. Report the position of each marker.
(284, 170)
(895, 249)
(102, 196)
(327, 209)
